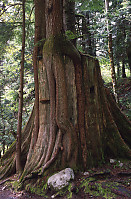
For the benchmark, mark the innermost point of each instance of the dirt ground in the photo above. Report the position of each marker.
(111, 180)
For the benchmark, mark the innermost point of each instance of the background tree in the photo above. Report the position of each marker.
(19, 125)
(110, 50)
(69, 18)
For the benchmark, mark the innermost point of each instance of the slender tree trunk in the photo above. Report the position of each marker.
(3, 147)
(129, 54)
(19, 125)
(2, 120)
(110, 51)
(124, 47)
(69, 17)
(123, 69)
(87, 40)
(118, 69)
(113, 74)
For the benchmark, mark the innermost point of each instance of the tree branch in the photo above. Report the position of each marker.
(11, 5)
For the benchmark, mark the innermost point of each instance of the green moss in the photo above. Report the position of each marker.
(66, 191)
(39, 190)
(96, 189)
(61, 46)
(23, 175)
(16, 185)
(48, 46)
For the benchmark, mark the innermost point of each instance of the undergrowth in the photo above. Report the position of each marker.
(95, 189)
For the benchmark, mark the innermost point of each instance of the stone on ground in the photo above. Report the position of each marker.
(61, 179)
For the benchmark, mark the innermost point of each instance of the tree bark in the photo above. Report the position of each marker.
(37, 54)
(87, 47)
(110, 51)
(35, 66)
(19, 125)
(69, 17)
(123, 68)
(118, 69)
(37, 57)
(129, 53)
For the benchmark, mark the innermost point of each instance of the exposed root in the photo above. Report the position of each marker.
(55, 153)
(122, 122)
(38, 172)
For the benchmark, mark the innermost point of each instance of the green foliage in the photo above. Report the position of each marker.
(119, 18)
(10, 60)
(6, 33)
(96, 189)
(106, 72)
(92, 5)
(85, 184)
(70, 35)
(15, 185)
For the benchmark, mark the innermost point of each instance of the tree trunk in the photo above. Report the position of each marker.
(19, 125)
(113, 75)
(78, 121)
(123, 69)
(69, 17)
(118, 69)
(3, 146)
(35, 66)
(87, 47)
(129, 54)
(110, 51)
(37, 54)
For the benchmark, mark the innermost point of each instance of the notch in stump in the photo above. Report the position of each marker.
(45, 101)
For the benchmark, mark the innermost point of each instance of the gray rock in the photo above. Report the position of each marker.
(86, 173)
(121, 164)
(61, 179)
(112, 161)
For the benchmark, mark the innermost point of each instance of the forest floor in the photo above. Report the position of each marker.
(111, 180)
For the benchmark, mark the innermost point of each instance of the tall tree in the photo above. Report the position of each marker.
(69, 17)
(80, 124)
(19, 125)
(129, 53)
(110, 51)
(37, 56)
(87, 37)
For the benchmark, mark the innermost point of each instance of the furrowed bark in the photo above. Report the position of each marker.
(110, 51)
